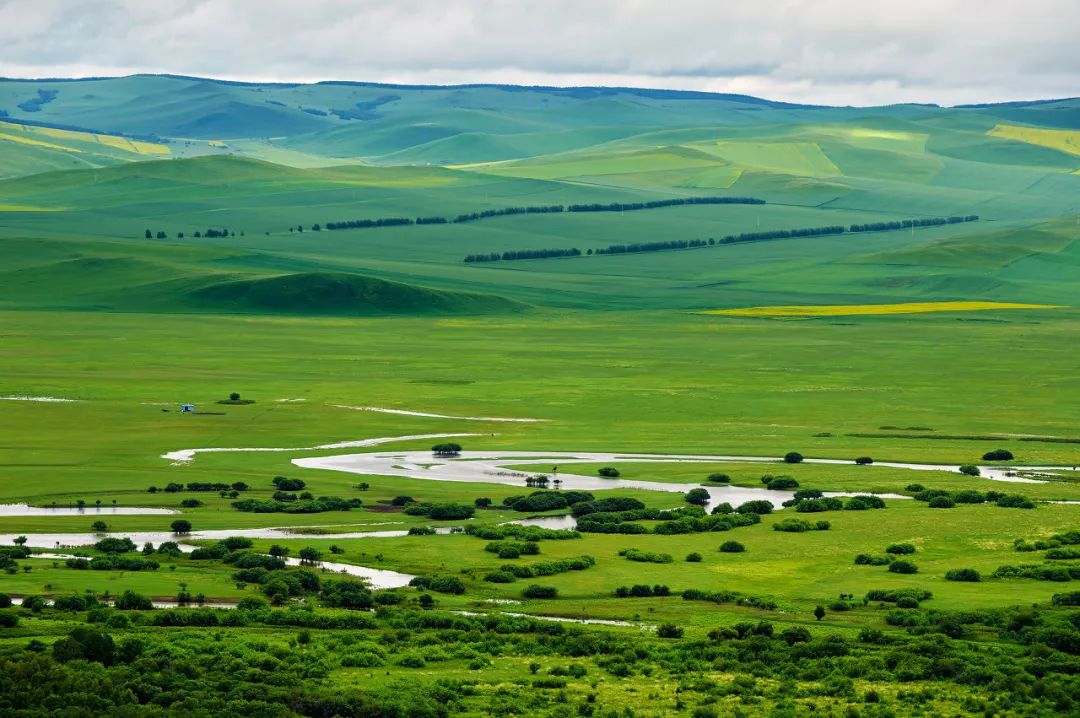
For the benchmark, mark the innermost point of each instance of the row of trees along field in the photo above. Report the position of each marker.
(537, 209)
(209, 234)
(729, 239)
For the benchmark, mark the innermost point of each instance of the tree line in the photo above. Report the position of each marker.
(761, 236)
(656, 204)
(514, 254)
(210, 233)
(536, 209)
(910, 223)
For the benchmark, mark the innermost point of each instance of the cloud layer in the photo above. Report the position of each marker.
(822, 51)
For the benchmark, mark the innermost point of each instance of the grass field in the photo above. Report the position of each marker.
(926, 345)
(848, 310)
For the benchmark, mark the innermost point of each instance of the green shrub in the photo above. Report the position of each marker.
(610, 504)
(441, 584)
(799, 526)
(537, 591)
(863, 503)
(818, 505)
(903, 567)
(865, 559)
(1062, 554)
(732, 547)
(608, 472)
(115, 545)
(968, 497)
(131, 601)
(900, 549)
(541, 501)
(779, 483)
(698, 497)
(864, 461)
(719, 478)
(963, 574)
(969, 470)
(894, 595)
(634, 554)
(755, 507)
(693, 557)
(942, 502)
(1015, 501)
(669, 630)
(998, 455)
(795, 634)
(411, 660)
(500, 577)
(793, 457)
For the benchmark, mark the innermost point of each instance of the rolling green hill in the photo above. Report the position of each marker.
(95, 164)
(334, 293)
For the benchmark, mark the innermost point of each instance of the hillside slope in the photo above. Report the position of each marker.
(336, 293)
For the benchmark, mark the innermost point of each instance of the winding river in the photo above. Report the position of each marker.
(481, 467)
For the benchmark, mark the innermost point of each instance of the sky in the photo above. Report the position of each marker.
(840, 52)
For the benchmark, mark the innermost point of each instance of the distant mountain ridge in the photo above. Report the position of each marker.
(338, 121)
(573, 90)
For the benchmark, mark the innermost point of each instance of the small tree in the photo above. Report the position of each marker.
(149, 234)
(819, 612)
(969, 470)
(181, 526)
(279, 551)
(698, 497)
(608, 472)
(793, 457)
(446, 449)
(20, 540)
(310, 556)
(99, 527)
(864, 461)
(235, 396)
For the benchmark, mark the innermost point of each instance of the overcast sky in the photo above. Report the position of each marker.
(822, 51)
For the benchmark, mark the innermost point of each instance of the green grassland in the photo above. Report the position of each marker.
(611, 351)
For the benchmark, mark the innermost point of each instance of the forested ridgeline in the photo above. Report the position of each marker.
(536, 209)
(763, 236)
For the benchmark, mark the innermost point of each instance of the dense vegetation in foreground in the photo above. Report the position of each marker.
(401, 661)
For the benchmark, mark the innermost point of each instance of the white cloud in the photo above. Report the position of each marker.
(827, 51)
